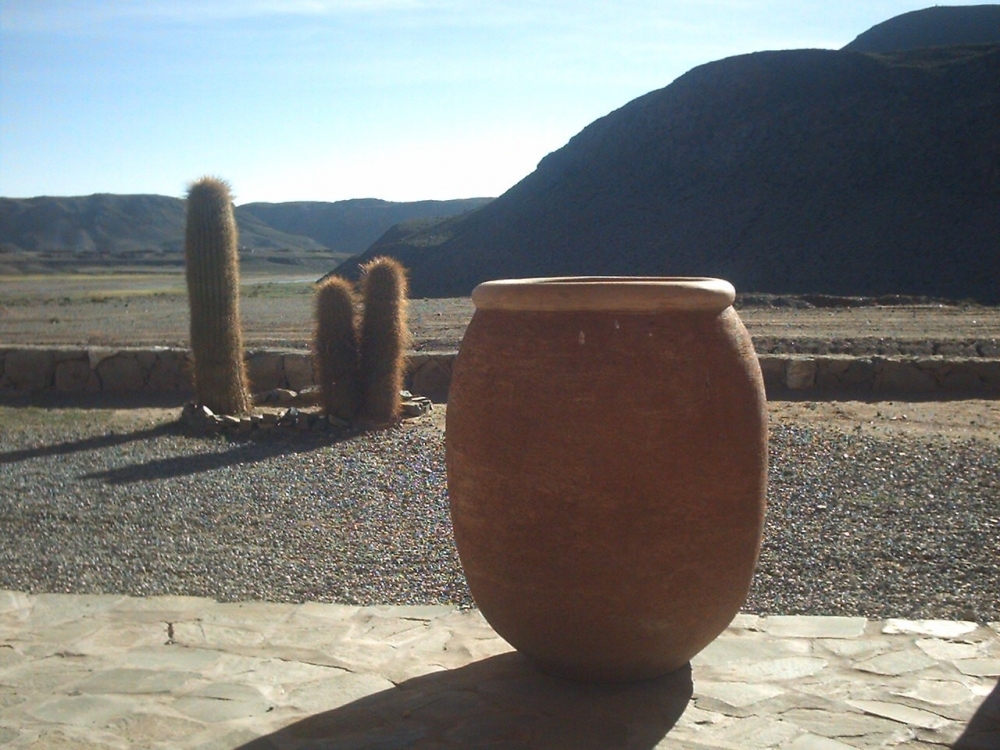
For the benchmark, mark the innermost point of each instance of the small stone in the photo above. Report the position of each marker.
(415, 406)
(800, 374)
(933, 628)
(196, 413)
(228, 420)
(289, 418)
(310, 395)
(805, 626)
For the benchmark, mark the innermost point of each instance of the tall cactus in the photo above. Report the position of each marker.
(336, 347)
(213, 281)
(384, 339)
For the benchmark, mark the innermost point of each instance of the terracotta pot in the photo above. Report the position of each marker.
(607, 462)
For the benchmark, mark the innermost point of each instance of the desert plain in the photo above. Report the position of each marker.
(879, 506)
(150, 309)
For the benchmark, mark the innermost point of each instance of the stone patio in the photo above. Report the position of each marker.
(91, 672)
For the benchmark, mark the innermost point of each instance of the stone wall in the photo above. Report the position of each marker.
(876, 374)
(96, 369)
(108, 370)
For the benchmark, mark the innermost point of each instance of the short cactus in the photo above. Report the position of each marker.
(384, 339)
(213, 282)
(336, 348)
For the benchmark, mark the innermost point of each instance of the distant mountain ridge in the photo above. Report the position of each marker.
(350, 226)
(106, 229)
(800, 171)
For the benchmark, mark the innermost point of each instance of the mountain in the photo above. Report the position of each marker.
(103, 230)
(350, 226)
(94, 224)
(820, 171)
(932, 27)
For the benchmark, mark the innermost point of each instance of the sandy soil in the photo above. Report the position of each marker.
(948, 419)
(954, 419)
(151, 310)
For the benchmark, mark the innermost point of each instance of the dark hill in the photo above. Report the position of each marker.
(932, 27)
(350, 226)
(834, 172)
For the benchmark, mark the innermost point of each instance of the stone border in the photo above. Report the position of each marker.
(876, 374)
(280, 421)
(163, 369)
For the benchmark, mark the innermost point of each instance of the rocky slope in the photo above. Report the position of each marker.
(837, 172)
(940, 26)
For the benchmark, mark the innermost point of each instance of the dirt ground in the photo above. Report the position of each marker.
(956, 419)
(151, 310)
(277, 311)
(947, 419)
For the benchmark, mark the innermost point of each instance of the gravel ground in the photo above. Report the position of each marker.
(90, 502)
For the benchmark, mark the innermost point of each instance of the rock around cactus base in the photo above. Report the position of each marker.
(607, 458)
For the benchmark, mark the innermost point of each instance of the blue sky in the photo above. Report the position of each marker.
(337, 99)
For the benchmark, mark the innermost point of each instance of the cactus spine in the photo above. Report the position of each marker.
(384, 339)
(336, 347)
(213, 282)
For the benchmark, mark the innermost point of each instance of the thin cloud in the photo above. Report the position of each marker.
(62, 16)
(193, 10)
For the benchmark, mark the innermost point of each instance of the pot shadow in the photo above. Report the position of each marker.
(983, 730)
(500, 702)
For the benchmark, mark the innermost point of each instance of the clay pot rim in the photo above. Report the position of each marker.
(605, 293)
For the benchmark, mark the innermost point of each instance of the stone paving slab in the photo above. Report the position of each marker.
(182, 672)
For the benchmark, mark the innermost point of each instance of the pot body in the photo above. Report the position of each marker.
(607, 457)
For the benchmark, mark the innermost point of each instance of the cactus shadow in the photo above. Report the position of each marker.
(96, 442)
(499, 702)
(238, 454)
